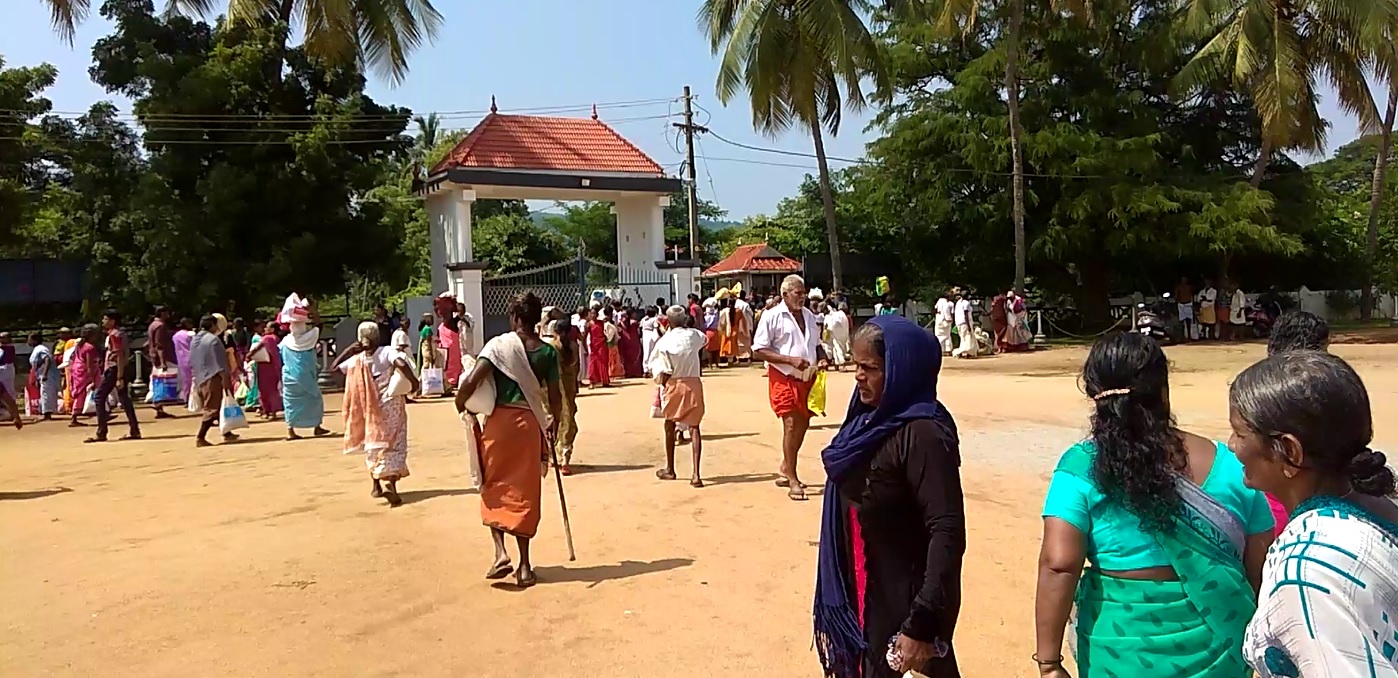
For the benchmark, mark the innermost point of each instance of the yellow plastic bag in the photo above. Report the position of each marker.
(815, 402)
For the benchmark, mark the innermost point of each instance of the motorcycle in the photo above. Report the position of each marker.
(1262, 315)
(1156, 320)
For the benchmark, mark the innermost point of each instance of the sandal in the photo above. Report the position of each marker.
(525, 582)
(663, 474)
(796, 494)
(786, 482)
(500, 571)
(130, 437)
(696, 483)
(95, 439)
(566, 470)
(391, 494)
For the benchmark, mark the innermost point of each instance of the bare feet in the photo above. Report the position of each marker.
(390, 493)
(291, 434)
(203, 443)
(696, 481)
(321, 431)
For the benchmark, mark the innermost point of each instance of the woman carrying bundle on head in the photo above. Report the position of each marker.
(517, 434)
(1174, 538)
(1302, 426)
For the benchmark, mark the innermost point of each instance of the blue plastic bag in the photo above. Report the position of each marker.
(165, 386)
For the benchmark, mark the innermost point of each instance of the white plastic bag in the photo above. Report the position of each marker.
(231, 417)
(90, 403)
(194, 404)
(482, 400)
(433, 381)
(473, 450)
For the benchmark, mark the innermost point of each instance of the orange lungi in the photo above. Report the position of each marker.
(512, 447)
(682, 400)
(787, 394)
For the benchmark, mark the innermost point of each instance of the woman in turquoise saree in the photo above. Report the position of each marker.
(1172, 540)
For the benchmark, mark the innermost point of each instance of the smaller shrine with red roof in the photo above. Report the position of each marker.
(532, 157)
(758, 267)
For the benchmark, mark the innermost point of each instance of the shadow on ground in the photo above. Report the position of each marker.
(596, 574)
(414, 496)
(33, 494)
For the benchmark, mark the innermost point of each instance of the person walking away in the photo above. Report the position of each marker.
(629, 344)
(1237, 312)
(999, 323)
(727, 333)
(788, 340)
(1175, 538)
(965, 328)
(565, 342)
(893, 524)
(598, 370)
(84, 371)
(208, 362)
(650, 333)
(1017, 334)
(400, 340)
(63, 350)
(837, 324)
(1208, 311)
(449, 341)
(466, 324)
(114, 380)
(376, 419)
(302, 402)
(160, 348)
(943, 321)
(1184, 305)
(580, 322)
(742, 315)
(514, 456)
(266, 360)
(615, 370)
(1302, 427)
(182, 339)
(675, 364)
(46, 375)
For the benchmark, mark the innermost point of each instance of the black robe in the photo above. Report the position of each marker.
(913, 524)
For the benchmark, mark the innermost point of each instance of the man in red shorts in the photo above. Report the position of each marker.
(787, 338)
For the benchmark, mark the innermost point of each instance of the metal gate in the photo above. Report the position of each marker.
(570, 284)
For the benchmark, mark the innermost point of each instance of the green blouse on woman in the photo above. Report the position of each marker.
(1115, 540)
(542, 360)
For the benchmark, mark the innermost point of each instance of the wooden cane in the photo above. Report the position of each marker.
(567, 527)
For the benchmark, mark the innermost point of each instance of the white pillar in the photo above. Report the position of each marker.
(464, 198)
(640, 231)
(472, 295)
(438, 230)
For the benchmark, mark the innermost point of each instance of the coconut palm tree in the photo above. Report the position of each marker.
(1278, 51)
(380, 34)
(427, 128)
(1386, 65)
(801, 63)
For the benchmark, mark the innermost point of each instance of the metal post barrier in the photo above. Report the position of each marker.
(1039, 338)
(327, 376)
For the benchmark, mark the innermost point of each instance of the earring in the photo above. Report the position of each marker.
(1289, 473)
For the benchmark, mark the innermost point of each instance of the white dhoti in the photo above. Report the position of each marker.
(968, 347)
(943, 332)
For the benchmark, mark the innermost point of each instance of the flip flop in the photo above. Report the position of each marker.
(796, 494)
(129, 437)
(95, 440)
(786, 482)
(696, 483)
(500, 571)
(394, 501)
(522, 582)
(662, 474)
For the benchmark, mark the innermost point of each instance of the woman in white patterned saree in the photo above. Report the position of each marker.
(1328, 606)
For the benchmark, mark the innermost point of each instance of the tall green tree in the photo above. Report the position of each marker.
(802, 64)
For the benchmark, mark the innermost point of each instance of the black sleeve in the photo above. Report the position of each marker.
(932, 465)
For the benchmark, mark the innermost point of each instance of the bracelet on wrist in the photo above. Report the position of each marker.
(1046, 662)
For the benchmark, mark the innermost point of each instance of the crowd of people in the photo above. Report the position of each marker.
(1164, 553)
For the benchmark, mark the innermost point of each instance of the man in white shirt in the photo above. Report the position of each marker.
(1208, 310)
(943, 323)
(965, 327)
(674, 361)
(788, 340)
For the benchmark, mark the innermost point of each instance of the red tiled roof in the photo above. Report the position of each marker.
(756, 258)
(541, 143)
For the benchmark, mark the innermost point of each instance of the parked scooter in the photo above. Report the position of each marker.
(1157, 320)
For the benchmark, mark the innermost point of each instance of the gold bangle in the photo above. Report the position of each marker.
(1040, 662)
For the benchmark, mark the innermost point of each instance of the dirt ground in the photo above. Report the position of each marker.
(268, 558)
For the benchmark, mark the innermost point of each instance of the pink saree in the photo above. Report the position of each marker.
(450, 341)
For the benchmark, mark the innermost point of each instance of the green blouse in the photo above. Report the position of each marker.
(542, 360)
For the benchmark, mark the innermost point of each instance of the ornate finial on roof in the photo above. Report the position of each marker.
(594, 111)
(492, 103)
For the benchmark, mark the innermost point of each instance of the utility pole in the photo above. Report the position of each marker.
(689, 129)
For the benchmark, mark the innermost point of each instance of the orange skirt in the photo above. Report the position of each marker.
(787, 394)
(512, 447)
(682, 400)
(714, 341)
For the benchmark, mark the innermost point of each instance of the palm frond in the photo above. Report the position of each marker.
(65, 15)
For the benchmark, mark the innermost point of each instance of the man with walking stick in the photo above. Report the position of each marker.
(517, 440)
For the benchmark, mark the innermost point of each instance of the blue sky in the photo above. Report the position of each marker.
(546, 53)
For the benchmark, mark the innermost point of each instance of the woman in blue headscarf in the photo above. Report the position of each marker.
(893, 527)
